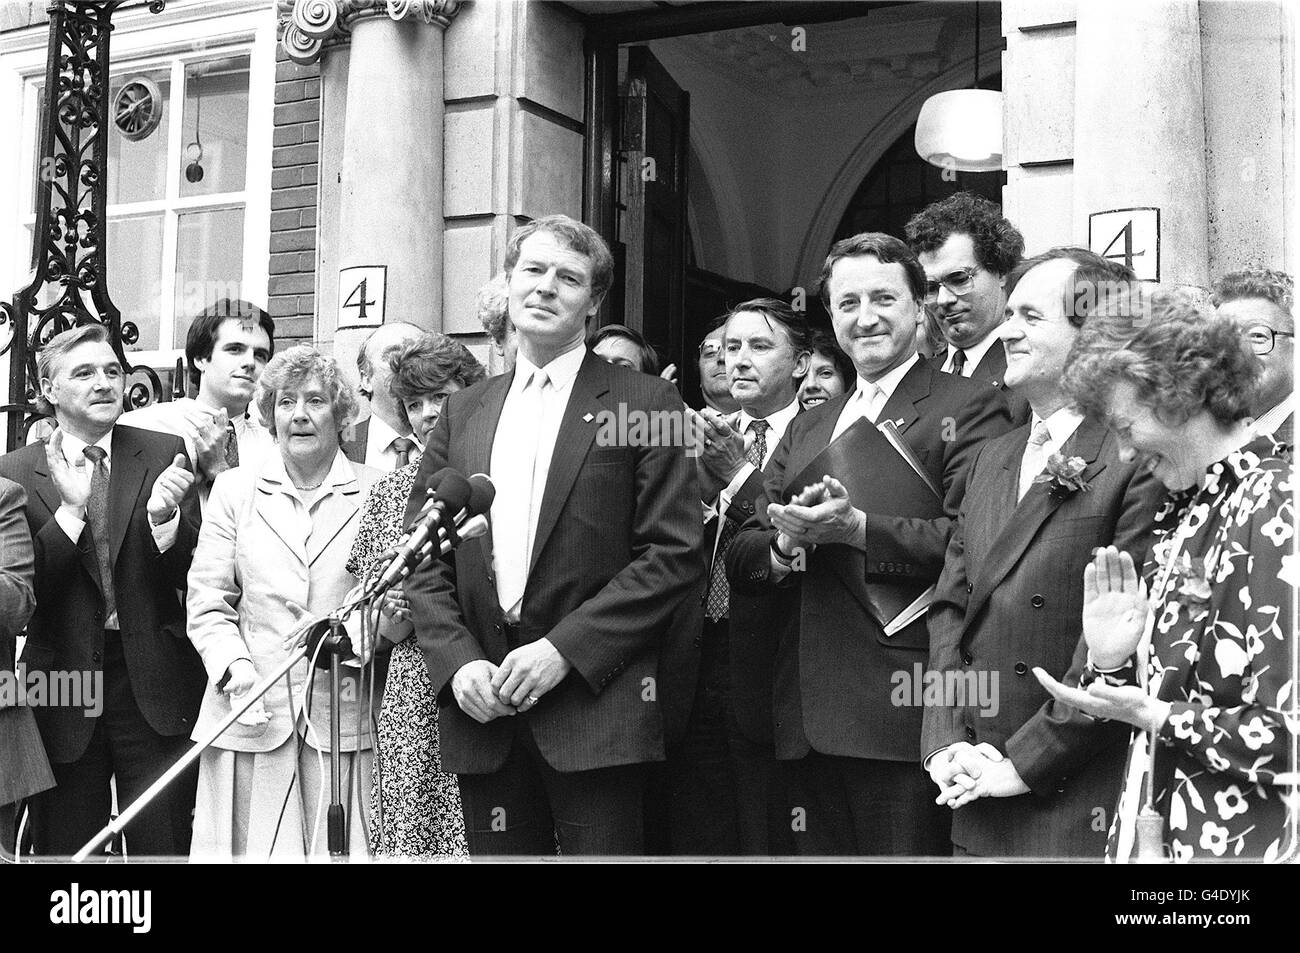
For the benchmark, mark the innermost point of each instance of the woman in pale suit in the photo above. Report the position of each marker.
(272, 554)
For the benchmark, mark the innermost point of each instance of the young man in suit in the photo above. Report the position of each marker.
(384, 440)
(543, 637)
(967, 250)
(112, 549)
(852, 778)
(1011, 594)
(1260, 301)
(227, 347)
(724, 777)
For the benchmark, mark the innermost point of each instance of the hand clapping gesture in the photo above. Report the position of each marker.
(73, 483)
(168, 490)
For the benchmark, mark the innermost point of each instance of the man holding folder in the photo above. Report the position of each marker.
(857, 536)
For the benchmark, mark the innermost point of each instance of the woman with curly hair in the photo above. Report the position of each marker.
(415, 807)
(1195, 652)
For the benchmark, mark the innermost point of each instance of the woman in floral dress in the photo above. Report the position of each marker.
(415, 807)
(1211, 613)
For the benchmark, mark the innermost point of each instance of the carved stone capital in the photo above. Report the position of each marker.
(309, 26)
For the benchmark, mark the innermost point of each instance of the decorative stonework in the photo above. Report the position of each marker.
(308, 26)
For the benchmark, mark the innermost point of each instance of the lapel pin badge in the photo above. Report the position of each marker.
(588, 417)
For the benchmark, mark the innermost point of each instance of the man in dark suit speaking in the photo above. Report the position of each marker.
(854, 783)
(543, 637)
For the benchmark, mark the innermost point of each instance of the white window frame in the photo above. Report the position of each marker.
(185, 33)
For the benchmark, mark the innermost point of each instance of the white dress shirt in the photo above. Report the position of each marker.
(1060, 426)
(974, 354)
(379, 445)
(776, 426)
(869, 399)
(521, 460)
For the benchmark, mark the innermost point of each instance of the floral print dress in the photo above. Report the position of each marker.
(1221, 649)
(415, 808)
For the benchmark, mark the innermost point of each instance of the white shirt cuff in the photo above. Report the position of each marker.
(164, 534)
(69, 522)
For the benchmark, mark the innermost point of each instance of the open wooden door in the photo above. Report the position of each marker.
(650, 204)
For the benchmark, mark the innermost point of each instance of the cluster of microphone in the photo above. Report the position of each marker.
(455, 510)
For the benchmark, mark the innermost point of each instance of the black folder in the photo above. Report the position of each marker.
(882, 476)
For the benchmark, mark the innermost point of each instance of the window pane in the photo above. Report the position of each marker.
(209, 262)
(214, 152)
(135, 274)
(137, 170)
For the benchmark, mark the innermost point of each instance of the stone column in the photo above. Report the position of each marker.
(1139, 124)
(390, 173)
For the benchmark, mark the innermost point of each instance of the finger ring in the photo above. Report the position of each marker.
(533, 699)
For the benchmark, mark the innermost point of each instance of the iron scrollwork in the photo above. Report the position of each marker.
(68, 287)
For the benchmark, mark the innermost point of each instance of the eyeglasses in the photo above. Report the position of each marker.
(958, 282)
(1261, 338)
(709, 350)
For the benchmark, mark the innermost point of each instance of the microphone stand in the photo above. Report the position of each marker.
(333, 639)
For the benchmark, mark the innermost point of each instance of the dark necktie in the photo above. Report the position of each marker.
(958, 362)
(402, 447)
(718, 600)
(97, 517)
(232, 446)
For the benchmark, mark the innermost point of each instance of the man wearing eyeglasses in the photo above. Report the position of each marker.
(967, 249)
(1260, 301)
(714, 384)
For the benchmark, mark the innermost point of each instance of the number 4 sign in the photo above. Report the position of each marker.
(1128, 235)
(361, 296)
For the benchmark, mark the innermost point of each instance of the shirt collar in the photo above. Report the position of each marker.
(1060, 425)
(73, 447)
(561, 370)
(889, 383)
(776, 422)
(1271, 419)
(975, 353)
(381, 436)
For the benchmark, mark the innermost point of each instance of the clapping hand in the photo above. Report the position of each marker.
(1114, 607)
(72, 483)
(669, 373)
(722, 451)
(821, 513)
(168, 490)
(210, 436)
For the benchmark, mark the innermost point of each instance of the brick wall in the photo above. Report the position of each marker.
(295, 158)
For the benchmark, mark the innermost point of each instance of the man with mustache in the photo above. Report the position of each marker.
(226, 347)
(967, 250)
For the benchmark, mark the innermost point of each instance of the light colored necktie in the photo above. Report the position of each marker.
(519, 496)
(874, 401)
(1035, 457)
(402, 448)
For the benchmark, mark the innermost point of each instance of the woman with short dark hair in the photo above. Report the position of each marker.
(1195, 654)
(415, 807)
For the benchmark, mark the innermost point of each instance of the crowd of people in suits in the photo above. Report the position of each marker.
(1032, 476)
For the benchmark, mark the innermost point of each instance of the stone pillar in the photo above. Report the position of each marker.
(390, 168)
(1139, 124)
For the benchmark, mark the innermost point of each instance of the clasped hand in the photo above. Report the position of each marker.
(966, 772)
(485, 691)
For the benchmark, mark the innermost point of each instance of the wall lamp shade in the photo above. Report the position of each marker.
(961, 129)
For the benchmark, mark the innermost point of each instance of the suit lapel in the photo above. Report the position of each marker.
(816, 440)
(994, 364)
(480, 431)
(125, 480)
(577, 431)
(335, 511)
(911, 390)
(276, 505)
(1011, 541)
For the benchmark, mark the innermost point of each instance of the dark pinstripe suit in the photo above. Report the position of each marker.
(616, 550)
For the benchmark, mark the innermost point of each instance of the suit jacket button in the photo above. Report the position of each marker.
(99, 616)
(967, 658)
(970, 732)
(1021, 668)
(97, 657)
(970, 587)
(1037, 601)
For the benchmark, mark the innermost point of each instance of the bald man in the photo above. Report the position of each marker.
(384, 439)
